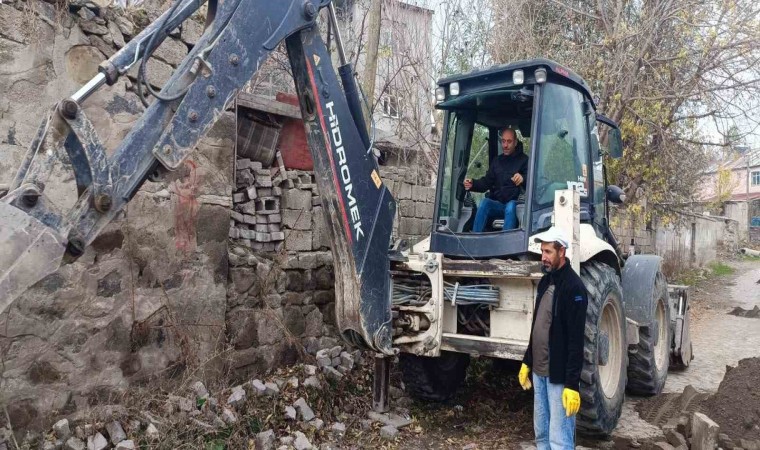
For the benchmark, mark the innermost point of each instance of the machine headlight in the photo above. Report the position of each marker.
(440, 94)
(454, 88)
(540, 75)
(518, 77)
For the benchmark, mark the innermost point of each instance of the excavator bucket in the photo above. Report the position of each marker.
(29, 251)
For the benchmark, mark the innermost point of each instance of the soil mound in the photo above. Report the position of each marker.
(736, 405)
(753, 313)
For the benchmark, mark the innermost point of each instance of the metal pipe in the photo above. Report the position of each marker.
(338, 39)
(89, 88)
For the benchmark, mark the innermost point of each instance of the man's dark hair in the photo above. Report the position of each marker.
(557, 245)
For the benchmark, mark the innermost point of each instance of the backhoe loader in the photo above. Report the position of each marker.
(455, 295)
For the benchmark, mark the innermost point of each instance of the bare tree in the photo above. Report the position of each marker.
(663, 69)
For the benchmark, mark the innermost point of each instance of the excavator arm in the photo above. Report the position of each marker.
(35, 235)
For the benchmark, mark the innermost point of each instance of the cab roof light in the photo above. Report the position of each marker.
(540, 75)
(440, 94)
(518, 77)
(454, 88)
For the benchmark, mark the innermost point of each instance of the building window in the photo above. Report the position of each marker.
(756, 178)
(391, 106)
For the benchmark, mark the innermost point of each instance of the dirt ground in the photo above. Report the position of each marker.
(492, 412)
(720, 339)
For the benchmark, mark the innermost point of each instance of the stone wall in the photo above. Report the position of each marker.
(687, 240)
(415, 201)
(148, 297)
(170, 287)
(281, 297)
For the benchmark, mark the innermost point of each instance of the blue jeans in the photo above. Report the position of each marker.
(554, 430)
(491, 209)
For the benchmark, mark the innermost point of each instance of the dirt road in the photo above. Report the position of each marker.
(719, 339)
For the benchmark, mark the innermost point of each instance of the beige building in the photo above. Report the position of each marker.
(734, 180)
(404, 85)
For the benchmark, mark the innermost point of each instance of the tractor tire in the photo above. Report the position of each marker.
(649, 362)
(433, 379)
(605, 356)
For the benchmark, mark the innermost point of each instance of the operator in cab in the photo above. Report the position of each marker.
(506, 174)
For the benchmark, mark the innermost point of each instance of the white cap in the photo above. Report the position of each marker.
(553, 234)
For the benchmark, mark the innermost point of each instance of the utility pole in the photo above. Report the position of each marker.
(370, 61)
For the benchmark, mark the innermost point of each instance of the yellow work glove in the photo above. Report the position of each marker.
(571, 400)
(524, 378)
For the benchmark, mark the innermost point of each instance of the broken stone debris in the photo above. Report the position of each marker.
(290, 413)
(301, 442)
(304, 410)
(237, 397)
(61, 429)
(209, 416)
(97, 442)
(115, 432)
(265, 440)
(388, 432)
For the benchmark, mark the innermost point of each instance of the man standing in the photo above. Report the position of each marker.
(505, 174)
(555, 350)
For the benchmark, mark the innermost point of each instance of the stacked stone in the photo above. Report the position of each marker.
(256, 221)
(302, 217)
(415, 200)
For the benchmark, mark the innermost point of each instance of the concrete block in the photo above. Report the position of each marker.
(244, 178)
(423, 210)
(270, 204)
(419, 194)
(298, 240)
(406, 208)
(234, 233)
(236, 216)
(263, 182)
(238, 197)
(274, 218)
(704, 432)
(316, 201)
(251, 192)
(277, 235)
(263, 237)
(404, 191)
(248, 207)
(245, 233)
(263, 218)
(249, 219)
(244, 163)
(265, 192)
(262, 228)
(273, 227)
(296, 199)
(429, 194)
(296, 220)
(407, 226)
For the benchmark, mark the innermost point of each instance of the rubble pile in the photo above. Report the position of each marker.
(736, 404)
(728, 419)
(302, 407)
